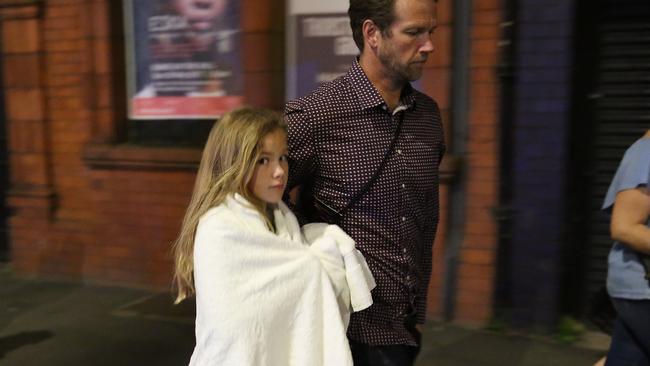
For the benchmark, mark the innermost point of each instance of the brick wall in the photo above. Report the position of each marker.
(85, 205)
(89, 207)
(477, 267)
(436, 83)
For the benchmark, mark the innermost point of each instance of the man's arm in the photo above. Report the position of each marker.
(629, 218)
(302, 156)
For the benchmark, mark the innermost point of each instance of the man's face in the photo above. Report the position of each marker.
(200, 13)
(404, 50)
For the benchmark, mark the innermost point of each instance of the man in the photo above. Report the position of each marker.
(366, 149)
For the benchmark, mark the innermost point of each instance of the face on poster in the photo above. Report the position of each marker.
(184, 59)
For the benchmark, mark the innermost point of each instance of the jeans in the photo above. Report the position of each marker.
(398, 355)
(631, 336)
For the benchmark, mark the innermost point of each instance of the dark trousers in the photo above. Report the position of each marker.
(631, 335)
(399, 355)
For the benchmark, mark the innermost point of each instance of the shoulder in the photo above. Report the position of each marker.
(632, 172)
(639, 150)
(636, 161)
(427, 103)
(326, 95)
(220, 217)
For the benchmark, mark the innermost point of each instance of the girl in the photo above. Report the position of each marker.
(263, 295)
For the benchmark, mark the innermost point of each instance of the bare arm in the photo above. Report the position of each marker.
(629, 218)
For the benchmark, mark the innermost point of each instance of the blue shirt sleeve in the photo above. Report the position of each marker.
(633, 172)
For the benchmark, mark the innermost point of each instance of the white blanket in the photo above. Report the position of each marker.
(273, 299)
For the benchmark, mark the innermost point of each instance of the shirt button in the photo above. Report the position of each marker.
(403, 185)
(404, 250)
(408, 278)
(399, 151)
(403, 218)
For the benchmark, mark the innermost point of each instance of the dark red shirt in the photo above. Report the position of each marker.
(338, 136)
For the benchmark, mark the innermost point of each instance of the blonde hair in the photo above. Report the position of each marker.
(226, 167)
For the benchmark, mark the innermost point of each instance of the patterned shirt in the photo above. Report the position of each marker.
(338, 137)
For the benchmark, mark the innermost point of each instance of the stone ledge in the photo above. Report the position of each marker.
(131, 157)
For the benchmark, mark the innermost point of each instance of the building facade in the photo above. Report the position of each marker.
(95, 197)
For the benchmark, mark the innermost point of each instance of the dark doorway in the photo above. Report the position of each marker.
(611, 109)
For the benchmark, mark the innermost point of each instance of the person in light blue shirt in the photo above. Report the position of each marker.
(628, 200)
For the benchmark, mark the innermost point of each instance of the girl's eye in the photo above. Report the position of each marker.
(263, 161)
(284, 158)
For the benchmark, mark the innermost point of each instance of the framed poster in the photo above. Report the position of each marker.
(319, 44)
(183, 58)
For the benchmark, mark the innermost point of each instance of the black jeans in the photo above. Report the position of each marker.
(631, 337)
(399, 355)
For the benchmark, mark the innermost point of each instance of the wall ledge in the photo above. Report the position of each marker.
(138, 157)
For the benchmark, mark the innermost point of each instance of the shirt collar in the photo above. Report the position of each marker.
(368, 94)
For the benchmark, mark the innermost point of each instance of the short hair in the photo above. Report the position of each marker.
(380, 12)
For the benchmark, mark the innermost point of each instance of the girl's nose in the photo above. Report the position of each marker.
(279, 171)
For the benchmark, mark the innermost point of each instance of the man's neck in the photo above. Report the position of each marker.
(389, 88)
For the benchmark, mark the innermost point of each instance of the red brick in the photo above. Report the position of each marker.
(63, 80)
(478, 174)
(441, 56)
(477, 256)
(483, 91)
(484, 75)
(63, 34)
(444, 12)
(262, 52)
(20, 36)
(61, 23)
(436, 83)
(487, 4)
(102, 55)
(22, 70)
(480, 31)
(65, 45)
(481, 228)
(487, 17)
(263, 15)
(264, 89)
(24, 104)
(483, 160)
(100, 26)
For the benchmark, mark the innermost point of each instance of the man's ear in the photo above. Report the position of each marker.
(371, 33)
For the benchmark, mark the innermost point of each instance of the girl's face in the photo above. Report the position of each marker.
(271, 168)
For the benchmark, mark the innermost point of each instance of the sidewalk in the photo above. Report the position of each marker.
(54, 323)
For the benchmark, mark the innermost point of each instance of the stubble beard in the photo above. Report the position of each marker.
(398, 72)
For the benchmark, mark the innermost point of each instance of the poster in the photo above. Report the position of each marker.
(319, 44)
(325, 49)
(184, 58)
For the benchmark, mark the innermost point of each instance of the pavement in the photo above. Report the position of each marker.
(62, 323)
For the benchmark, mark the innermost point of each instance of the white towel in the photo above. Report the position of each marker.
(273, 299)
